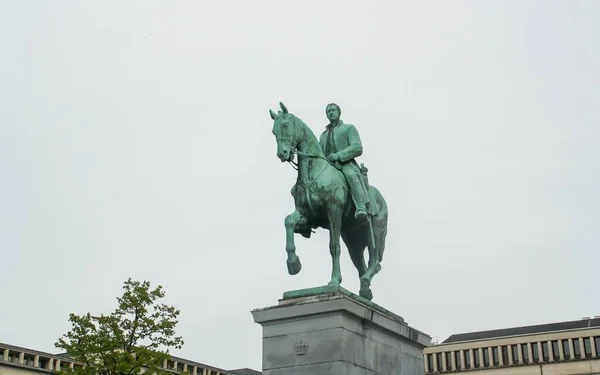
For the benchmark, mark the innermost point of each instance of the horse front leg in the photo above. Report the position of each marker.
(293, 261)
(335, 229)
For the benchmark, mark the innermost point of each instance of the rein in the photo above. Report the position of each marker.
(300, 153)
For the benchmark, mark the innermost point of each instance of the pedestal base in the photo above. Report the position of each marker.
(332, 331)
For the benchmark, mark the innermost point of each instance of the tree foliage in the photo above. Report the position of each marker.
(136, 336)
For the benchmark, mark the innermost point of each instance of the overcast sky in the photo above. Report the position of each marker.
(136, 142)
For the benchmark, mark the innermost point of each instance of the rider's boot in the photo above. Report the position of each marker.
(357, 191)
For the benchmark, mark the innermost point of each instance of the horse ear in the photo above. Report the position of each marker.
(283, 108)
(272, 114)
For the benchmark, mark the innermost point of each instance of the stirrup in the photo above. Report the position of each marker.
(363, 215)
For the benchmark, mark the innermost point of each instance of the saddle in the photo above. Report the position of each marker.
(370, 203)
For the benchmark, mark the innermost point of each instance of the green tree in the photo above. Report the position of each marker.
(136, 336)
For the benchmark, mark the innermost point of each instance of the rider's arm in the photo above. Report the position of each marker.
(354, 148)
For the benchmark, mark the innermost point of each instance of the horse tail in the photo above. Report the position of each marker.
(380, 221)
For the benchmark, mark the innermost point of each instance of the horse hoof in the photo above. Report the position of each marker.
(365, 290)
(366, 293)
(294, 266)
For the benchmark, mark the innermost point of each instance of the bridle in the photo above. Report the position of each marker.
(294, 150)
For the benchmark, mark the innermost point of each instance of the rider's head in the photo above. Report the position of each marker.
(333, 112)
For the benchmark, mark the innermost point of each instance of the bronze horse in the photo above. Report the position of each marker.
(322, 199)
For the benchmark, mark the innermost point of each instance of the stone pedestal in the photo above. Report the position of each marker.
(332, 331)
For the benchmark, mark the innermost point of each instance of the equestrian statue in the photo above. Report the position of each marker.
(332, 192)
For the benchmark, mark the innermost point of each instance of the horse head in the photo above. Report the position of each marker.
(284, 130)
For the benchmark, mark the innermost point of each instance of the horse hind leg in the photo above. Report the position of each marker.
(374, 260)
(293, 261)
(356, 246)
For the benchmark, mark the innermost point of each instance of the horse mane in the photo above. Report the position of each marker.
(309, 135)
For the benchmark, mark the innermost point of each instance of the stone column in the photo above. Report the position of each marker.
(5, 355)
(57, 365)
(500, 356)
(21, 358)
(453, 360)
(50, 365)
(436, 366)
(36, 361)
(550, 351)
(593, 347)
(571, 349)
(471, 357)
(511, 360)
(582, 347)
(481, 357)
(561, 351)
(444, 362)
(520, 353)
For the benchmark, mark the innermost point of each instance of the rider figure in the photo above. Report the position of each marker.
(341, 144)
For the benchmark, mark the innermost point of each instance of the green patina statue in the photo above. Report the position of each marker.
(332, 192)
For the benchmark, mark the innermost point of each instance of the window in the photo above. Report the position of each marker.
(439, 361)
(555, 350)
(515, 354)
(587, 345)
(545, 351)
(476, 360)
(430, 362)
(28, 360)
(505, 355)
(486, 357)
(566, 349)
(597, 342)
(468, 358)
(42, 363)
(576, 348)
(457, 360)
(495, 357)
(535, 352)
(525, 353)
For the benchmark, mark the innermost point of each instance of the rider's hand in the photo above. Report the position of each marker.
(333, 157)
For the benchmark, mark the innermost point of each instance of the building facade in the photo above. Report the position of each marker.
(565, 348)
(16, 360)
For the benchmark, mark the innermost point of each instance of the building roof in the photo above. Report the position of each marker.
(65, 356)
(526, 330)
(245, 371)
